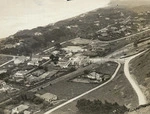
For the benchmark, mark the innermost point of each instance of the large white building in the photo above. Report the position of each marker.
(79, 60)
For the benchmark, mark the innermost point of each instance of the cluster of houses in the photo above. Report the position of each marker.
(97, 76)
(26, 108)
(32, 60)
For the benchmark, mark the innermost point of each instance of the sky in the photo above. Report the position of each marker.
(17, 15)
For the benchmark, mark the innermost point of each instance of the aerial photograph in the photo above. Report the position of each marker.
(75, 57)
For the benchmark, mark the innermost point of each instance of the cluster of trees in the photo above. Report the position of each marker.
(97, 107)
(54, 59)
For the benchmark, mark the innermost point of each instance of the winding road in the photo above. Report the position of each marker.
(141, 97)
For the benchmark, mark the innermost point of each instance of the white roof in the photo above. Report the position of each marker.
(20, 108)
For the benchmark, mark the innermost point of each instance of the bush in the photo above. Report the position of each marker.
(97, 107)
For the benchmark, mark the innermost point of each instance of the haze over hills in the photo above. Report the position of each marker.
(27, 14)
(130, 3)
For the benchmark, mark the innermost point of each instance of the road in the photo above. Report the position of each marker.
(100, 60)
(7, 62)
(126, 37)
(73, 99)
(133, 82)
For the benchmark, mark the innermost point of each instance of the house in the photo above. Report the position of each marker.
(113, 28)
(20, 74)
(3, 71)
(64, 64)
(3, 86)
(20, 60)
(95, 76)
(37, 33)
(49, 97)
(107, 18)
(2, 83)
(68, 55)
(19, 109)
(31, 79)
(27, 112)
(36, 58)
(79, 60)
(104, 34)
(46, 57)
(106, 77)
(102, 30)
(33, 63)
(37, 73)
(55, 53)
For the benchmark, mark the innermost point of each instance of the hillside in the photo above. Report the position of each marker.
(84, 25)
(142, 110)
(140, 9)
(140, 69)
(130, 3)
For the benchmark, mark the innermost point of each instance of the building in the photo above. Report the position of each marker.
(20, 60)
(104, 34)
(19, 109)
(36, 58)
(33, 63)
(20, 74)
(3, 71)
(32, 79)
(104, 30)
(106, 77)
(95, 76)
(37, 33)
(55, 53)
(3, 86)
(47, 97)
(79, 60)
(27, 112)
(46, 57)
(74, 49)
(37, 73)
(2, 83)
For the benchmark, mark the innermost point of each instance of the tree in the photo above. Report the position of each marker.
(37, 100)
(135, 44)
(58, 46)
(54, 59)
(86, 72)
(97, 107)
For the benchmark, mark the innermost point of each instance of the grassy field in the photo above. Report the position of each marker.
(66, 89)
(140, 69)
(119, 90)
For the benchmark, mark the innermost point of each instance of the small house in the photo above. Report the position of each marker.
(19, 109)
(47, 97)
